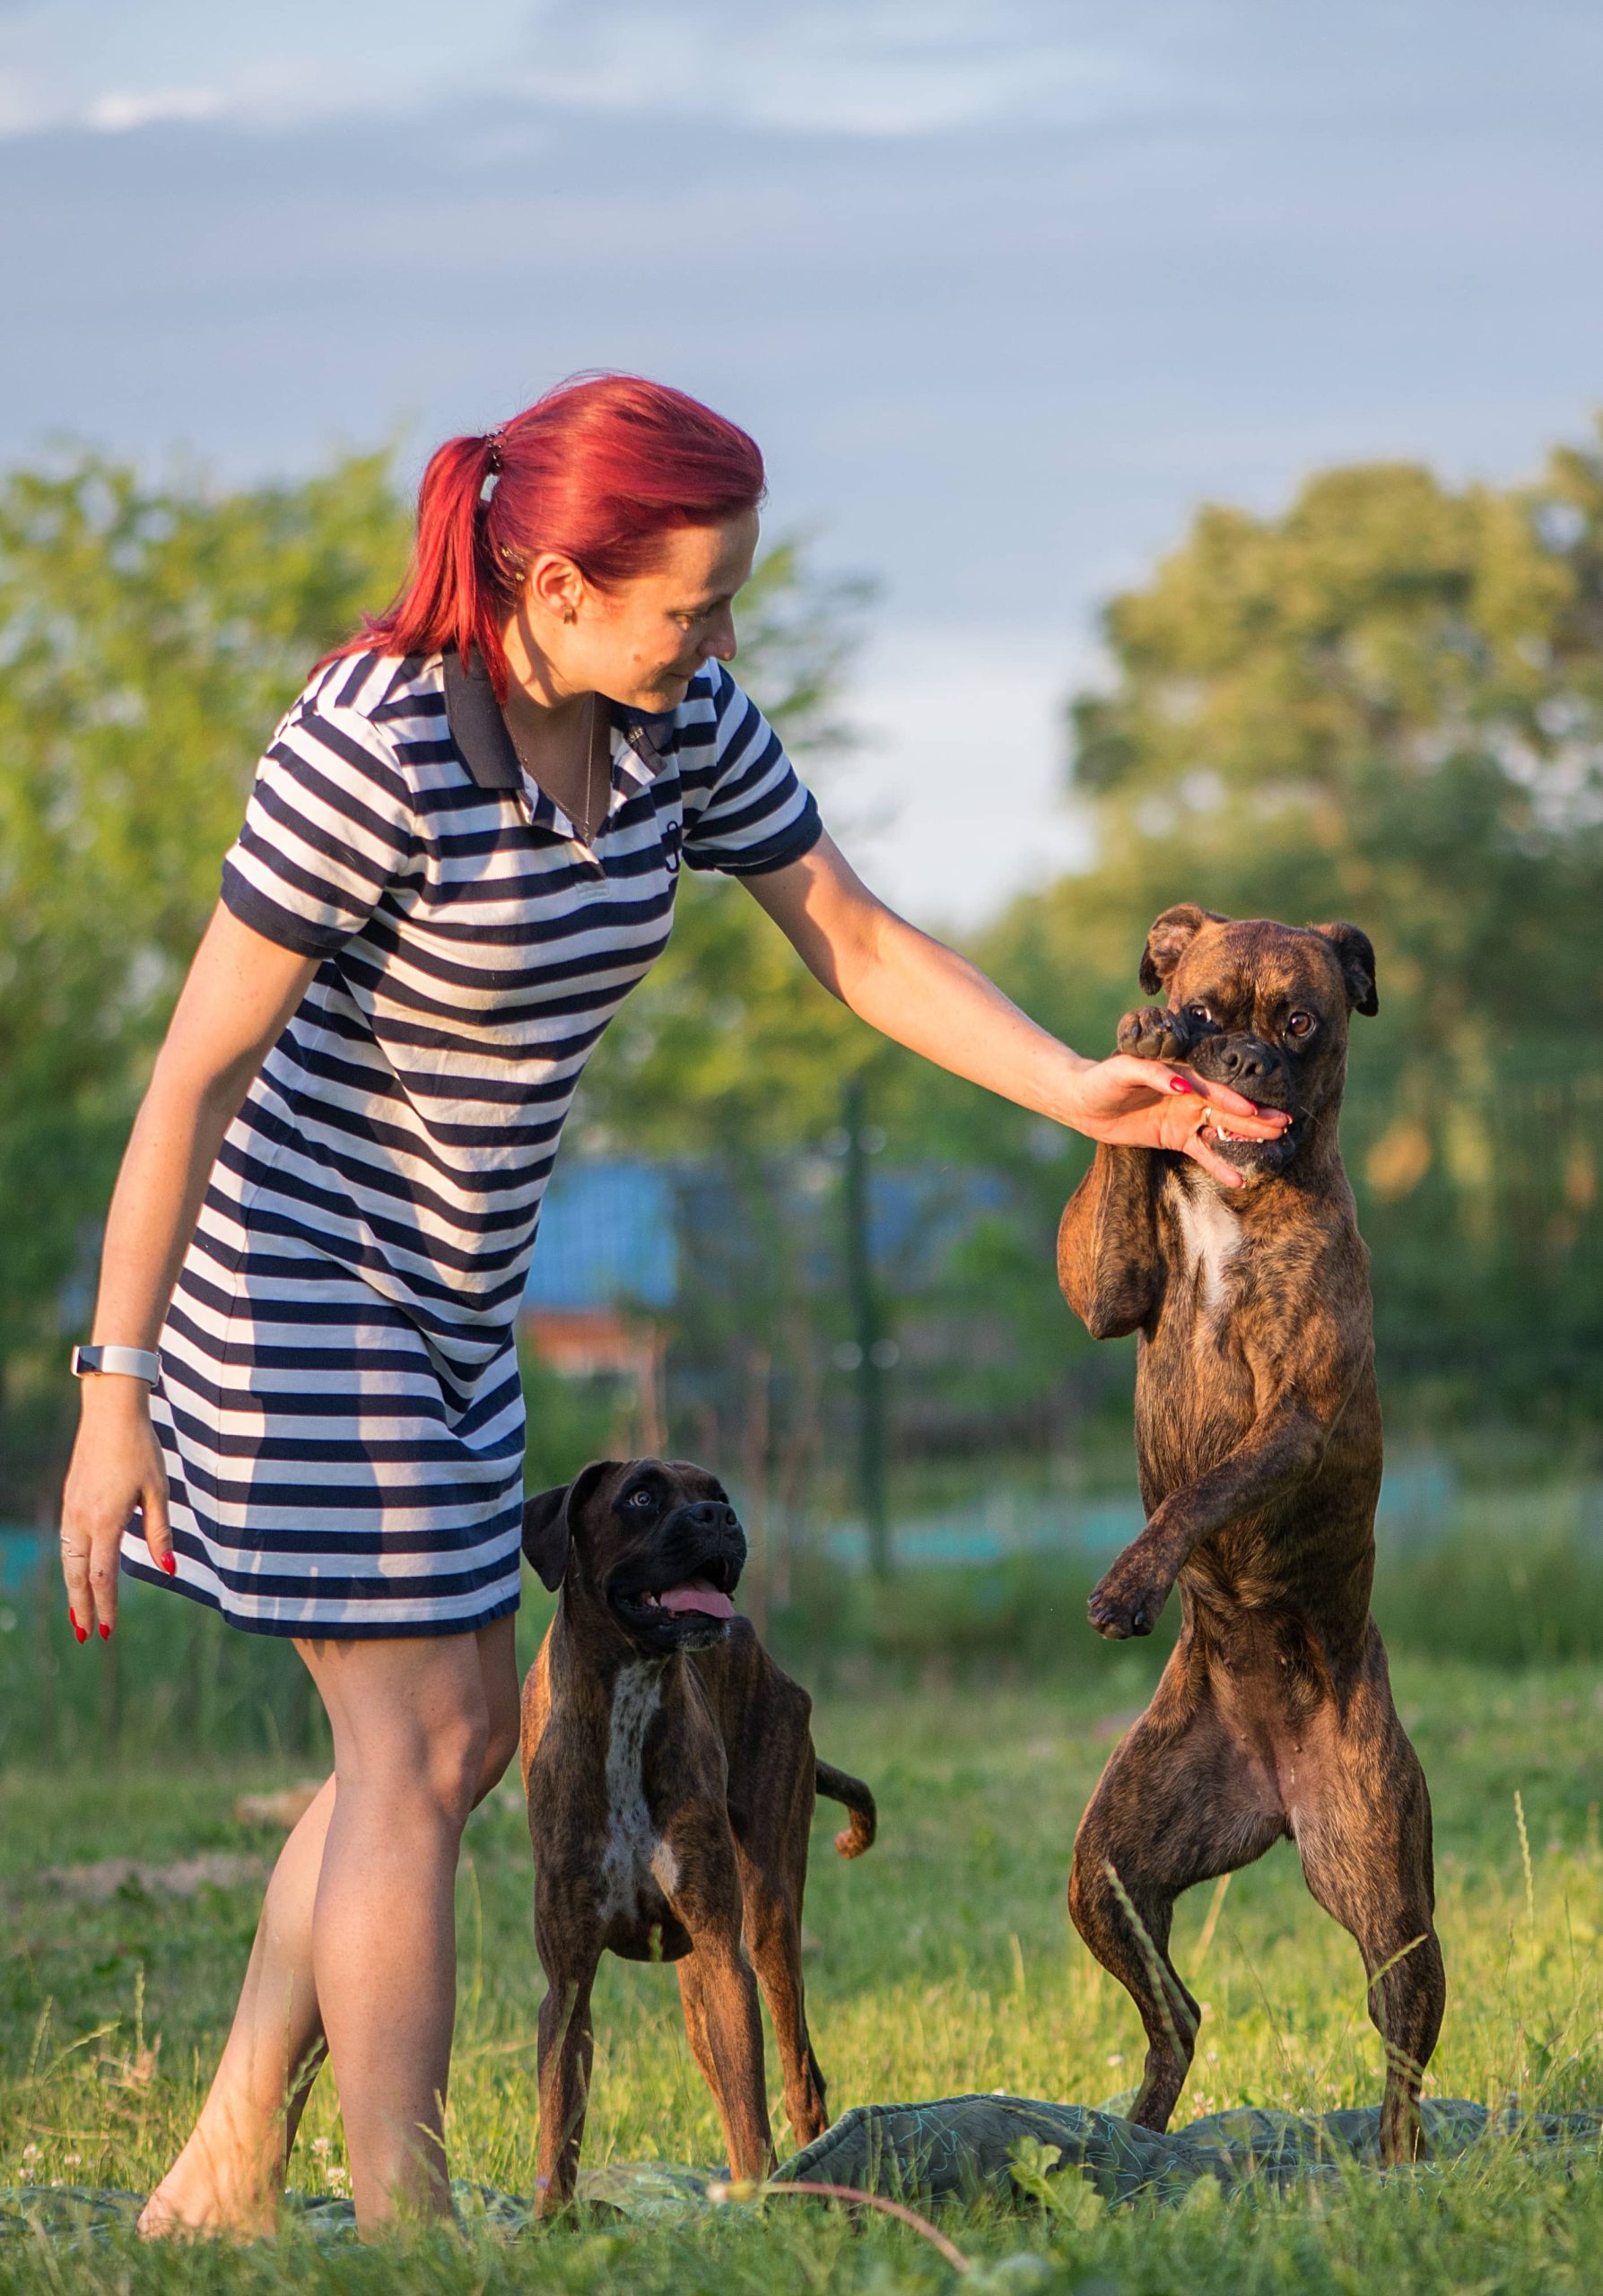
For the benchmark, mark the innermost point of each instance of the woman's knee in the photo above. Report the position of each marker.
(500, 1744)
(457, 1757)
(432, 1737)
(425, 1767)
(502, 1704)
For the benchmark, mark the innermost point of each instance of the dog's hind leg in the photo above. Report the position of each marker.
(773, 1935)
(695, 2019)
(1362, 1820)
(566, 2048)
(725, 2027)
(1178, 1803)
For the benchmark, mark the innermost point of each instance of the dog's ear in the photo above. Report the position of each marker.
(548, 1519)
(1172, 935)
(1356, 952)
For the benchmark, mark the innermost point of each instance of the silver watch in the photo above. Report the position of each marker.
(133, 1362)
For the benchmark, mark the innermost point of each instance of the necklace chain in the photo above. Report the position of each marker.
(583, 822)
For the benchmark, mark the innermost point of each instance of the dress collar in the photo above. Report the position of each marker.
(480, 731)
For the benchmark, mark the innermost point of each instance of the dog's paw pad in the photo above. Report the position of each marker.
(1152, 1032)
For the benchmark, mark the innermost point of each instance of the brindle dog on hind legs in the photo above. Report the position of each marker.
(1257, 1431)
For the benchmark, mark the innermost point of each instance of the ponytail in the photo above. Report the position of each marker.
(600, 469)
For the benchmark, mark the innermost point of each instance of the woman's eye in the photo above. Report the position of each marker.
(1300, 1024)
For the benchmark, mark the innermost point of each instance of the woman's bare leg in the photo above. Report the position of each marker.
(230, 2173)
(423, 1728)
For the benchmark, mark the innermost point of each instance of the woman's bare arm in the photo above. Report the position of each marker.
(241, 991)
(923, 995)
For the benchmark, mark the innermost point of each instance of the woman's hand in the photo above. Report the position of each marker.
(937, 1003)
(1138, 1104)
(116, 1468)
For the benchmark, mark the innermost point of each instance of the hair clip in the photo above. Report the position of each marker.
(495, 438)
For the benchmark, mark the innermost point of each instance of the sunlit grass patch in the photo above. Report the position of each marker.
(941, 1962)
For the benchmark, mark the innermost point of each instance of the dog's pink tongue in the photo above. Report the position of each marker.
(697, 1595)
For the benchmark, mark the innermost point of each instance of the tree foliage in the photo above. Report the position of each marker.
(1385, 703)
(151, 636)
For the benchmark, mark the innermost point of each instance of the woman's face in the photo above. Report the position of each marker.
(641, 642)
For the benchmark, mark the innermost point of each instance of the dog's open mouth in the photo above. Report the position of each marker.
(695, 1607)
(1241, 1149)
(691, 1595)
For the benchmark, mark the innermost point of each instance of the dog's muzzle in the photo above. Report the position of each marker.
(678, 1592)
(1256, 1070)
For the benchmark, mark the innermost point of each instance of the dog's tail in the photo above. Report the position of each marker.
(840, 1786)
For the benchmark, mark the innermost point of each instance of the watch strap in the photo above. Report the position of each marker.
(132, 1362)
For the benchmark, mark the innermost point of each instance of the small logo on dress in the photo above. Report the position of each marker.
(672, 836)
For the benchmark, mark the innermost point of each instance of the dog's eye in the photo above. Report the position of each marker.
(1300, 1024)
(1197, 1013)
(643, 1500)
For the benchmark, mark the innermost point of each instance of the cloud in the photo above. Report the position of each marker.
(885, 68)
(876, 69)
(116, 113)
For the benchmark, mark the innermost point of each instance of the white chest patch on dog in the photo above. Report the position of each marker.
(1211, 1235)
(633, 1850)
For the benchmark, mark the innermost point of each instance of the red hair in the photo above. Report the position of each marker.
(600, 469)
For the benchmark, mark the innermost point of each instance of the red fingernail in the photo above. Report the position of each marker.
(105, 1631)
(169, 1565)
(80, 1631)
(1178, 1084)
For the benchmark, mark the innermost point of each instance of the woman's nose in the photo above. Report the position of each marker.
(720, 639)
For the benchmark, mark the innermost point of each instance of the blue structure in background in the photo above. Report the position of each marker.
(608, 1235)
(611, 1229)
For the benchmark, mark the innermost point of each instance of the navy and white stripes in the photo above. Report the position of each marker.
(339, 1404)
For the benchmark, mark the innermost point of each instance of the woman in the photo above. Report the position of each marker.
(460, 853)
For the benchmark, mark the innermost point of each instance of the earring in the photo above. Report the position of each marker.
(571, 615)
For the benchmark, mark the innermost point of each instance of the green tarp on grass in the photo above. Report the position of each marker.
(959, 2149)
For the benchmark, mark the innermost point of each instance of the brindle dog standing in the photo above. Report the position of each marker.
(669, 1771)
(1257, 1433)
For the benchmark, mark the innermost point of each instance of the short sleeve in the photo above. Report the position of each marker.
(328, 826)
(746, 810)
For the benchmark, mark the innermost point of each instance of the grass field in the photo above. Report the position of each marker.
(942, 1962)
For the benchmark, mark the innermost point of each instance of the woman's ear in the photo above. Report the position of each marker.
(555, 584)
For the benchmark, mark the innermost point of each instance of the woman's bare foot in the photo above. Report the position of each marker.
(203, 2192)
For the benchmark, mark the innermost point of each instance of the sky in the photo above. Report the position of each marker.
(1005, 288)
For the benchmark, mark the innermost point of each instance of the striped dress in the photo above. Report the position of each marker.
(339, 1404)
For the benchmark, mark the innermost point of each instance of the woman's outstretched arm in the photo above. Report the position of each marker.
(923, 995)
(241, 989)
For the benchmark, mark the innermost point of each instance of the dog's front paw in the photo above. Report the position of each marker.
(1128, 1599)
(1152, 1032)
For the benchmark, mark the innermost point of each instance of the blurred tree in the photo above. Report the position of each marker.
(150, 637)
(1386, 704)
(728, 1047)
(731, 1055)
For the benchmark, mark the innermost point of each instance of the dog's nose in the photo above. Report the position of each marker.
(1242, 1062)
(711, 1514)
